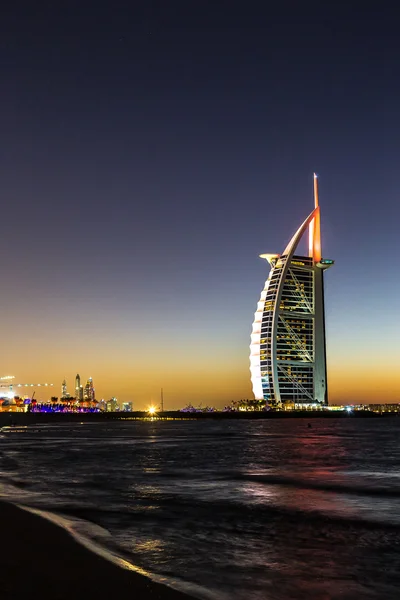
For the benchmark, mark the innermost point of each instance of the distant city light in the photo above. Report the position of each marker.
(151, 410)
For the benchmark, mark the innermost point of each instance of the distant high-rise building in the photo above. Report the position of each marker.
(64, 392)
(77, 387)
(112, 405)
(102, 405)
(89, 390)
(287, 351)
(80, 397)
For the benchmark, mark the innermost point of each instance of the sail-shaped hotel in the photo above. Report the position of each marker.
(288, 350)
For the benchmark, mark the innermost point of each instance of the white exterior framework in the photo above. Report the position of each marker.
(287, 351)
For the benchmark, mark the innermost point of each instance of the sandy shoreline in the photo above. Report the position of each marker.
(41, 560)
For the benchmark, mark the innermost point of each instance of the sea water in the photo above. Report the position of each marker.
(271, 509)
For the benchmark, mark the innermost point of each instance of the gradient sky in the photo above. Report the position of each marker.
(151, 152)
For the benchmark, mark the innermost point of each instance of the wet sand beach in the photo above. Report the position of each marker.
(41, 560)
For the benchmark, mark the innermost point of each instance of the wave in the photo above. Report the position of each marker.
(323, 486)
(99, 541)
(282, 480)
(217, 515)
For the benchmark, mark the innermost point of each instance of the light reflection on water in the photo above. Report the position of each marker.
(249, 510)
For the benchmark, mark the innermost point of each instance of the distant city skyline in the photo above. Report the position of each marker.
(150, 155)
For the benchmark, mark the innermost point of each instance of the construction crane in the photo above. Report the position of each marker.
(7, 382)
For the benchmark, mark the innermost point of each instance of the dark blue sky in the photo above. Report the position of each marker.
(151, 150)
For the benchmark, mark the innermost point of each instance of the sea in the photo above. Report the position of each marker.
(241, 510)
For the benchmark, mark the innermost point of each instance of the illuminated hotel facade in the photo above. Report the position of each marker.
(288, 348)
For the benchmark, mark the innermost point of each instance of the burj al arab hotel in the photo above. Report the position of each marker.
(288, 349)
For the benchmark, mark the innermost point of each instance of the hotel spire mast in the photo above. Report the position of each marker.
(314, 229)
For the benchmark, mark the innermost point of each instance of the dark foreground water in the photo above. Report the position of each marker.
(237, 510)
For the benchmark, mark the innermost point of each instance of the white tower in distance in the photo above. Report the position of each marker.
(288, 347)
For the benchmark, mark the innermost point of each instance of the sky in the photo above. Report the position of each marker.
(150, 151)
